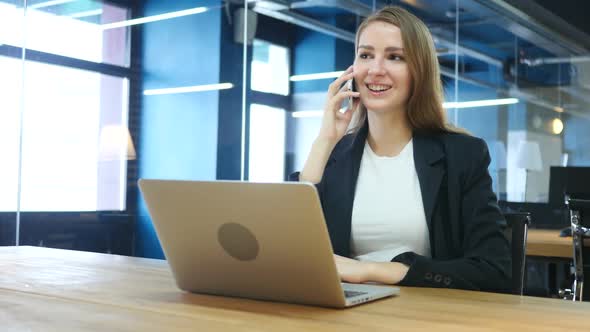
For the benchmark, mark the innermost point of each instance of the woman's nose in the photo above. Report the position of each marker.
(377, 67)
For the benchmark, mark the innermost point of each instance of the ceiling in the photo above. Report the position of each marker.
(575, 12)
(529, 43)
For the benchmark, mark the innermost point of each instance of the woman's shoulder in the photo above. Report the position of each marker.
(345, 143)
(461, 145)
(466, 153)
(462, 140)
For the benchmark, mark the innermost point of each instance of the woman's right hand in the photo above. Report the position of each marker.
(334, 122)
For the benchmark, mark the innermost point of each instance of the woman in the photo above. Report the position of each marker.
(404, 194)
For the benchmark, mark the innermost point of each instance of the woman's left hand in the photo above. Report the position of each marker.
(353, 271)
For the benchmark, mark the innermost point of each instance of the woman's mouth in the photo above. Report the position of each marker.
(378, 89)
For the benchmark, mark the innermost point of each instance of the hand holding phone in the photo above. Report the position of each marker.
(351, 85)
(335, 119)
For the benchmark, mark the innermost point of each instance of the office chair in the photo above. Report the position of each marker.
(579, 210)
(515, 229)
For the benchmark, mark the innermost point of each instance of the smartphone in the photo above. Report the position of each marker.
(352, 87)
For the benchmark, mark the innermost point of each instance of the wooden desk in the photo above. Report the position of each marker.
(548, 243)
(59, 290)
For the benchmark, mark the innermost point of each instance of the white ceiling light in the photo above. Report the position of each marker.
(185, 89)
(480, 103)
(154, 18)
(48, 4)
(316, 76)
(87, 13)
(307, 114)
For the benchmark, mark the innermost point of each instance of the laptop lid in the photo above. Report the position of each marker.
(256, 240)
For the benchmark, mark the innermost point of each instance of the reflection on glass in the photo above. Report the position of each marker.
(115, 144)
(60, 166)
(9, 131)
(270, 68)
(267, 144)
(529, 160)
(68, 28)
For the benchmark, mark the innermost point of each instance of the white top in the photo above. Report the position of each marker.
(388, 215)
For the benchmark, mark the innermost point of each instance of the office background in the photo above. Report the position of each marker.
(96, 94)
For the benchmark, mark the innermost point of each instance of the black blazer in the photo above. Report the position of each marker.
(468, 248)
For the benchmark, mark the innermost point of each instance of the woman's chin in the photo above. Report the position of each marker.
(379, 108)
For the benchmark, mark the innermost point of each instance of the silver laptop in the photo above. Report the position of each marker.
(263, 241)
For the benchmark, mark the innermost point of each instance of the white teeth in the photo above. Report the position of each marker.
(378, 87)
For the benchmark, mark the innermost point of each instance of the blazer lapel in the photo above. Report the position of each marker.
(427, 154)
(356, 152)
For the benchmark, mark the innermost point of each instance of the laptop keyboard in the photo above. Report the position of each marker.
(348, 293)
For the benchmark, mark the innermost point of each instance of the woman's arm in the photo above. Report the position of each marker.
(334, 126)
(354, 271)
(317, 160)
(486, 261)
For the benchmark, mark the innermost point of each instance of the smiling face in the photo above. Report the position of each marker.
(381, 74)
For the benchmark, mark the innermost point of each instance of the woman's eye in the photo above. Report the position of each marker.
(364, 55)
(396, 57)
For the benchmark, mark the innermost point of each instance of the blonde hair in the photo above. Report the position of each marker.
(424, 105)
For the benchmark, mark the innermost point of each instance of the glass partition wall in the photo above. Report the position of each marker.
(11, 85)
(108, 92)
(112, 91)
(192, 99)
(509, 78)
(68, 144)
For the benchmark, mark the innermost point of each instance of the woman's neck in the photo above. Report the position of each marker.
(389, 132)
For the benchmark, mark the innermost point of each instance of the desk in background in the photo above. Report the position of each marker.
(548, 243)
(60, 290)
(546, 246)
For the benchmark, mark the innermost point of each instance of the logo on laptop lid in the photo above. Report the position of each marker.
(238, 241)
